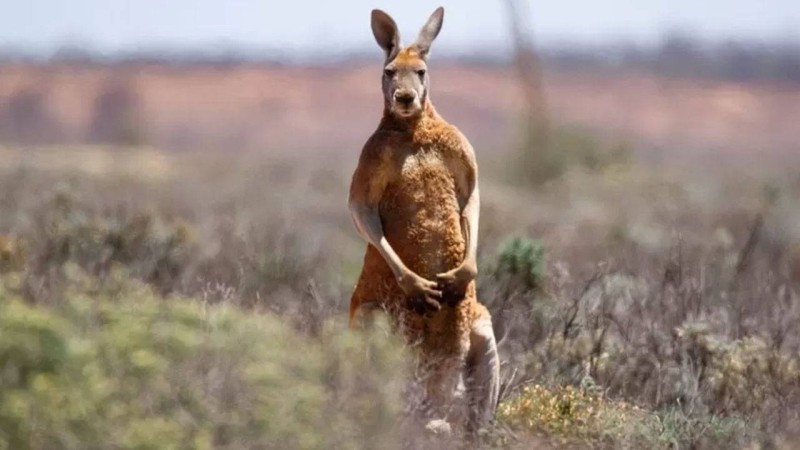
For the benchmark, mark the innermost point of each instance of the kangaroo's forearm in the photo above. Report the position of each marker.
(470, 217)
(368, 224)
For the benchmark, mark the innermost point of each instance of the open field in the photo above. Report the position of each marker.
(185, 278)
(663, 313)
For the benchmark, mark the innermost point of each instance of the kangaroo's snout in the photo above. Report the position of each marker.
(405, 98)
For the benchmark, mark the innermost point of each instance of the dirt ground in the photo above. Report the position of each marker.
(333, 109)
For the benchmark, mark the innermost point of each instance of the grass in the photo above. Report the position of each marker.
(584, 417)
(568, 414)
(546, 153)
(204, 303)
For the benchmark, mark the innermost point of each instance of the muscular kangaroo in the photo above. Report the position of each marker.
(414, 198)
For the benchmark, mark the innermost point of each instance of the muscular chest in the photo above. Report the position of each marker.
(420, 165)
(423, 174)
(422, 187)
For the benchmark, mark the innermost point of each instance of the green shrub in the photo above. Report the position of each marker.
(121, 368)
(521, 263)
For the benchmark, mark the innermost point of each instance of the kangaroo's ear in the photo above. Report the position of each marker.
(385, 30)
(429, 32)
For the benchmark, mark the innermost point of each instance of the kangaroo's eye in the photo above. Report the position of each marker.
(389, 73)
(421, 72)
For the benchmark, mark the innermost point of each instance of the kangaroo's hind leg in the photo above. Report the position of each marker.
(482, 374)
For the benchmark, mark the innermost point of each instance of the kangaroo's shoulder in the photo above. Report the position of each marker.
(446, 139)
(442, 136)
(377, 147)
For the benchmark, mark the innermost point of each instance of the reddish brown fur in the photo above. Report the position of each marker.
(414, 197)
(416, 166)
(408, 57)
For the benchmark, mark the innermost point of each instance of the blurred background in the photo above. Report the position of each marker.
(716, 78)
(640, 235)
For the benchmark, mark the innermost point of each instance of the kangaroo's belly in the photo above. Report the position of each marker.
(420, 214)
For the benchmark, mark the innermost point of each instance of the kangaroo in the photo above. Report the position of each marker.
(414, 198)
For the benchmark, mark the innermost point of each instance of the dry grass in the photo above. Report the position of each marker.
(566, 415)
(642, 287)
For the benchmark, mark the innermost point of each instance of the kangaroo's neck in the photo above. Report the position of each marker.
(410, 125)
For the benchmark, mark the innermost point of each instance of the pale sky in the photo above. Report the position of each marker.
(338, 26)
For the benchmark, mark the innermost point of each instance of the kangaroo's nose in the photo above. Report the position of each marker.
(404, 97)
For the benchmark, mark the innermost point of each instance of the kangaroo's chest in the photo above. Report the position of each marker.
(420, 214)
(422, 181)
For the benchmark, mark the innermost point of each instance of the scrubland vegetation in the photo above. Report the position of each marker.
(154, 300)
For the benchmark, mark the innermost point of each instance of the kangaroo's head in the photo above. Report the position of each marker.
(405, 72)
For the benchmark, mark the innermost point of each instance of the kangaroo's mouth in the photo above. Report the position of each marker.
(406, 111)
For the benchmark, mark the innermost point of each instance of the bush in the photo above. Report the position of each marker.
(570, 415)
(155, 250)
(583, 417)
(520, 264)
(120, 368)
(12, 254)
(27, 119)
(118, 117)
(543, 158)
